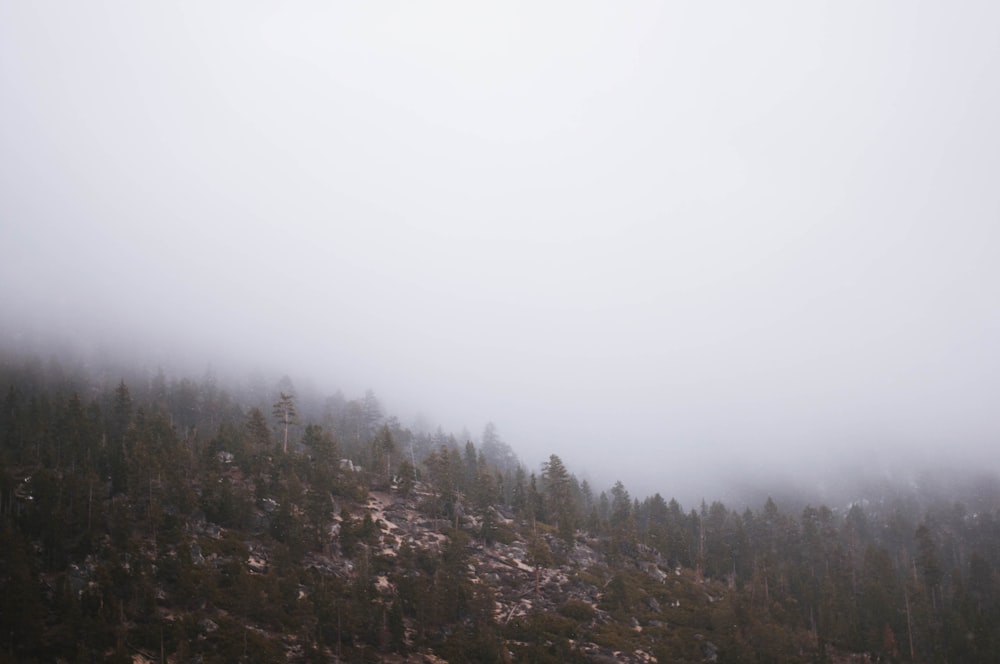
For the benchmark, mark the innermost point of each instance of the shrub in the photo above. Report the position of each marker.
(578, 610)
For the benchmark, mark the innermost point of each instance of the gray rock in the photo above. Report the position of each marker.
(207, 625)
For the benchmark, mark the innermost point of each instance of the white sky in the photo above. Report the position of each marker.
(660, 240)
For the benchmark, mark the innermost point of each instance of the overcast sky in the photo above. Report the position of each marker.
(660, 240)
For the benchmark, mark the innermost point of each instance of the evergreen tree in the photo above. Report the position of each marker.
(407, 478)
(519, 493)
(559, 497)
(383, 447)
(322, 447)
(539, 556)
(118, 429)
(485, 491)
(258, 433)
(284, 412)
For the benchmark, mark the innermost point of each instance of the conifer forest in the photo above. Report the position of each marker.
(147, 518)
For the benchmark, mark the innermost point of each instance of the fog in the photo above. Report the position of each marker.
(686, 246)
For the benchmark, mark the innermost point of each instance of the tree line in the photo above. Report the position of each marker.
(101, 481)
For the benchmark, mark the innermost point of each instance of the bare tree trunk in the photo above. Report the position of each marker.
(909, 628)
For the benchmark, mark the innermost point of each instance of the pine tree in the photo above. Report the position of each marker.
(258, 433)
(559, 496)
(321, 446)
(284, 411)
(382, 448)
(407, 478)
(118, 427)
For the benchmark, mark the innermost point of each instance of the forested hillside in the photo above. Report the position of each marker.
(153, 518)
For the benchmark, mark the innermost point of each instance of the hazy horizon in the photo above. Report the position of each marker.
(672, 244)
